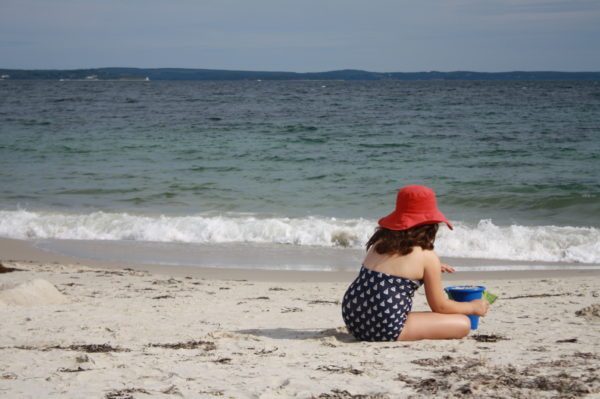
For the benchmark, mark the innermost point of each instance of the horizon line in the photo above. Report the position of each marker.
(311, 72)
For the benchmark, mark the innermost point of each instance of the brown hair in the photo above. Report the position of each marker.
(401, 242)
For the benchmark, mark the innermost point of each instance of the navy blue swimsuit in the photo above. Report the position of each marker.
(376, 305)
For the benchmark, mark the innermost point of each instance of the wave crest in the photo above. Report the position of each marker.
(526, 243)
(484, 240)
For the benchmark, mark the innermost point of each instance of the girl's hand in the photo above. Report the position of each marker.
(447, 268)
(480, 307)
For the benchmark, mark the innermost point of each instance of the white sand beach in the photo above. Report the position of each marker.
(125, 333)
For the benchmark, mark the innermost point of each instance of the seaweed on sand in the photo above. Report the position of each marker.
(461, 376)
(89, 348)
(4, 269)
(343, 394)
(323, 302)
(488, 338)
(124, 393)
(206, 345)
(340, 369)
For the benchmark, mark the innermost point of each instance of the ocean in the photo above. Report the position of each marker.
(301, 164)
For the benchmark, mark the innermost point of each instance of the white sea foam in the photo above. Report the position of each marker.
(193, 229)
(515, 242)
(484, 240)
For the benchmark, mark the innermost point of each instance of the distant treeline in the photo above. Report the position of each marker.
(346, 74)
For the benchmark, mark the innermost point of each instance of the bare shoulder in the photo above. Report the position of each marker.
(430, 258)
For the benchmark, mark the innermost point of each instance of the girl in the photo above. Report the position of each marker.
(377, 305)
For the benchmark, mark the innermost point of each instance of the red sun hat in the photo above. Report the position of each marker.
(415, 206)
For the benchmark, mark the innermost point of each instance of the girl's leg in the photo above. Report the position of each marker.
(429, 325)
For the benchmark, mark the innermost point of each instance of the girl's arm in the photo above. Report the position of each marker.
(436, 297)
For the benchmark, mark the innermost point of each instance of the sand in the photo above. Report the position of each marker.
(31, 293)
(123, 333)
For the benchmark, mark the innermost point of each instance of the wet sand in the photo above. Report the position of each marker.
(237, 264)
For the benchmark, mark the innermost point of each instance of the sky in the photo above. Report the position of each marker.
(302, 35)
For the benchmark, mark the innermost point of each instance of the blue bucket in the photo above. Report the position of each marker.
(466, 293)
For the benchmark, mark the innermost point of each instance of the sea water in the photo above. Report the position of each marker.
(303, 164)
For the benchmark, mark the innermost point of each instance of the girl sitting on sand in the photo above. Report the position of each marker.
(377, 306)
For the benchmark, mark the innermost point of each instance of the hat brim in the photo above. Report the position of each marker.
(394, 221)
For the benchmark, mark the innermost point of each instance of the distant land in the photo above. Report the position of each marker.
(217, 74)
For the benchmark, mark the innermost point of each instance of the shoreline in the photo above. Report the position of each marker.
(13, 250)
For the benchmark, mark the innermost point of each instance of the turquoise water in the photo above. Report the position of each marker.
(303, 163)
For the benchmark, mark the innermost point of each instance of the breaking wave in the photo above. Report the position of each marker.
(483, 240)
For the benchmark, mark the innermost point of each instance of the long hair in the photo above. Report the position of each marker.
(401, 242)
